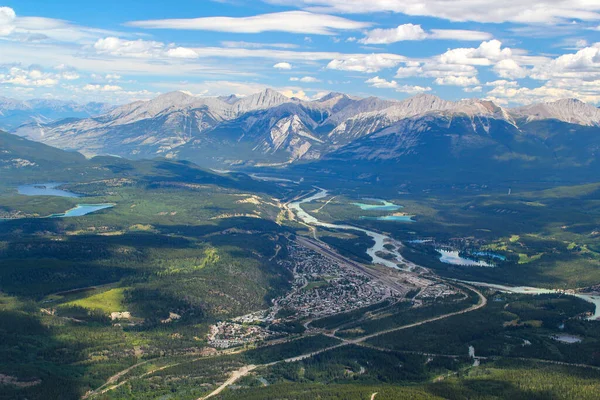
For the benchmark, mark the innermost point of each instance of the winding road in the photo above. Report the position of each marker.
(381, 275)
(246, 369)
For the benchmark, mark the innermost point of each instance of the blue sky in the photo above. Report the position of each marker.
(118, 51)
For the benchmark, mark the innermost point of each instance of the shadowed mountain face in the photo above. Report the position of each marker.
(470, 138)
(19, 153)
(457, 149)
(24, 161)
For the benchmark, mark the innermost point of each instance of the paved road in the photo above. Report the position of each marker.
(242, 372)
(374, 273)
(482, 303)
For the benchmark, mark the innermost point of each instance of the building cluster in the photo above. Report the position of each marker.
(12, 214)
(436, 291)
(322, 287)
(230, 334)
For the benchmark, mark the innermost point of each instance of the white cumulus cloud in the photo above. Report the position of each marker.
(7, 21)
(503, 83)
(485, 54)
(416, 32)
(305, 79)
(401, 33)
(583, 63)
(33, 77)
(509, 69)
(434, 69)
(70, 75)
(457, 81)
(102, 88)
(131, 48)
(366, 63)
(182, 52)
(283, 65)
(381, 83)
(474, 89)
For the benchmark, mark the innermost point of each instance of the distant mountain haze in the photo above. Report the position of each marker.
(14, 113)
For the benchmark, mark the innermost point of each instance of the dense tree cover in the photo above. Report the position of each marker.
(497, 380)
(51, 352)
(510, 325)
(289, 349)
(173, 246)
(403, 313)
(336, 320)
(352, 248)
(328, 392)
(205, 246)
(352, 364)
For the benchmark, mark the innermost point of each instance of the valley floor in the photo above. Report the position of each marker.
(212, 288)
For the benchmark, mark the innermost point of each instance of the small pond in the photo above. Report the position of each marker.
(564, 338)
(453, 257)
(383, 206)
(393, 218)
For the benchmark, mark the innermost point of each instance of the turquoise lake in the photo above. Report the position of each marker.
(384, 206)
(489, 254)
(45, 189)
(453, 257)
(50, 189)
(82, 209)
(392, 218)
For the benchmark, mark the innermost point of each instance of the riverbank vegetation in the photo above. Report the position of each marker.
(548, 237)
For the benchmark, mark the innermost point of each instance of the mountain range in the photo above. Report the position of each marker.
(14, 113)
(268, 129)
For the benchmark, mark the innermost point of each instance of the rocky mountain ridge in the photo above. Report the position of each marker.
(269, 128)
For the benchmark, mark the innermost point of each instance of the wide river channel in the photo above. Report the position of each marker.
(381, 239)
